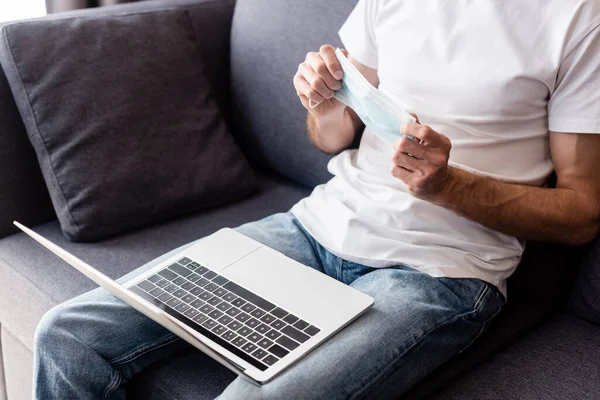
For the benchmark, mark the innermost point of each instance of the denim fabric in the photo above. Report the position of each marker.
(90, 346)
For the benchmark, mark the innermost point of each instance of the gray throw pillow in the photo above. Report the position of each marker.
(122, 119)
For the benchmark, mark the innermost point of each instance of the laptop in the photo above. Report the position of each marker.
(247, 306)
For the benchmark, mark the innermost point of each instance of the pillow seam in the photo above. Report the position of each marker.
(36, 127)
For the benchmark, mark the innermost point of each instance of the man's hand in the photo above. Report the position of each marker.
(422, 164)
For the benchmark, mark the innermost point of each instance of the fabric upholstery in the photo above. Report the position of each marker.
(152, 146)
(585, 301)
(39, 280)
(18, 360)
(2, 375)
(558, 361)
(268, 41)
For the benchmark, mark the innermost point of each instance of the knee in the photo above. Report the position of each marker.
(53, 329)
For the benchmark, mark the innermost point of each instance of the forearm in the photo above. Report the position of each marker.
(558, 215)
(333, 133)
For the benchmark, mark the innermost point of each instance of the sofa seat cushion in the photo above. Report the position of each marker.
(557, 361)
(34, 280)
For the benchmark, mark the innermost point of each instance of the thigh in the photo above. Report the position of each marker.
(417, 323)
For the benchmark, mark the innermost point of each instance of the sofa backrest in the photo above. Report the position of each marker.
(268, 41)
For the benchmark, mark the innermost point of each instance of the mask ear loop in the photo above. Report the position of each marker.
(312, 104)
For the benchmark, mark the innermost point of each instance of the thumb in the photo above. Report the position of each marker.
(344, 52)
(416, 117)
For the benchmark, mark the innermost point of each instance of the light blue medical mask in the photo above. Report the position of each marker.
(377, 110)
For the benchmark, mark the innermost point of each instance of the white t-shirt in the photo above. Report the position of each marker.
(495, 76)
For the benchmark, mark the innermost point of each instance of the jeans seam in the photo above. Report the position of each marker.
(144, 349)
(114, 383)
(393, 362)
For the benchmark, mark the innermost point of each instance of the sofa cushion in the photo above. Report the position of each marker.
(135, 135)
(585, 301)
(558, 361)
(268, 41)
(35, 280)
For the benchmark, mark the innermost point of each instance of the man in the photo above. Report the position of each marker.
(506, 92)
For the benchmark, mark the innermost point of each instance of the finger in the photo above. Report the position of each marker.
(415, 117)
(304, 88)
(315, 81)
(407, 162)
(327, 53)
(401, 173)
(423, 133)
(405, 145)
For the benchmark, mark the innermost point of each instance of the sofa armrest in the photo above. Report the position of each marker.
(23, 194)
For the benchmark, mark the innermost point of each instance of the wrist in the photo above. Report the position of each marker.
(454, 186)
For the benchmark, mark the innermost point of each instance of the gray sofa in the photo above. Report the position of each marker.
(544, 345)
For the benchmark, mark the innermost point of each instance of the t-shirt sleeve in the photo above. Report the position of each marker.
(357, 33)
(574, 106)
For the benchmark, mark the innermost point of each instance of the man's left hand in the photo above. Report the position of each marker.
(422, 164)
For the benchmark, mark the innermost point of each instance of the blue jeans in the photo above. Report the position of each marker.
(89, 347)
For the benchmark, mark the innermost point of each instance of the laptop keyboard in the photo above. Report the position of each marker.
(249, 326)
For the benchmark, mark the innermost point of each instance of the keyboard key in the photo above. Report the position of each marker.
(278, 324)
(235, 325)
(216, 314)
(220, 280)
(257, 313)
(194, 278)
(165, 297)
(220, 292)
(225, 319)
(254, 337)
(156, 292)
(312, 330)
(248, 307)
(263, 328)
(301, 325)
(180, 293)
(165, 273)
(193, 264)
(199, 319)
(209, 324)
(239, 341)
(163, 283)
(265, 343)
(191, 313)
(249, 348)
(295, 334)
(202, 282)
(224, 306)
(219, 329)
(196, 291)
(252, 322)
(259, 354)
(184, 261)
(278, 351)
(210, 287)
(155, 278)
(238, 302)
(244, 331)
(171, 288)
(182, 307)
(287, 342)
(229, 335)
(267, 318)
(273, 334)
(233, 311)
(229, 297)
(249, 296)
(179, 281)
(197, 303)
(279, 312)
(201, 270)
(290, 318)
(206, 309)
(242, 317)
(173, 302)
(210, 274)
(213, 301)
(188, 286)
(205, 295)
(270, 360)
(180, 270)
(146, 286)
(188, 298)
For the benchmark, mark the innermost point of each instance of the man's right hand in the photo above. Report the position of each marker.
(317, 79)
